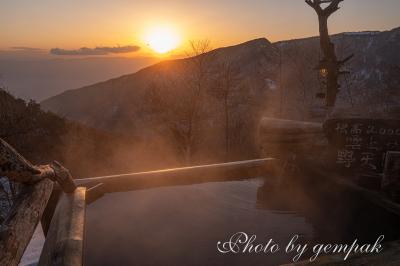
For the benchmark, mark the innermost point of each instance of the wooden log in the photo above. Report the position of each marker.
(180, 176)
(63, 177)
(289, 131)
(18, 169)
(284, 138)
(64, 241)
(15, 166)
(18, 228)
(94, 193)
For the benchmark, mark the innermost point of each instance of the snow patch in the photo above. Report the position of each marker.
(35, 246)
(271, 85)
(362, 33)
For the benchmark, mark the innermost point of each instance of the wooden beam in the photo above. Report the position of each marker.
(280, 129)
(18, 228)
(64, 241)
(179, 176)
(94, 193)
(281, 138)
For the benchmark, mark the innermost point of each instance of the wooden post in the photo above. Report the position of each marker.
(28, 209)
(17, 230)
(64, 241)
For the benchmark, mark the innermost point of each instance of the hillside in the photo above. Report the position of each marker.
(270, 79)
(43, 137)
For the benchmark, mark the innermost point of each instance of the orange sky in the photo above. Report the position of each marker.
(71, 24)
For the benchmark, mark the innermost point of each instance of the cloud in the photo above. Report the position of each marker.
(101, 50)
(25, 48)
(119, 49)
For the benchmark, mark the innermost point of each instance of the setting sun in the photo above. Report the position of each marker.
(162, 39)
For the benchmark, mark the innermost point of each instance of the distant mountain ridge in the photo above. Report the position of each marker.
(281, 76)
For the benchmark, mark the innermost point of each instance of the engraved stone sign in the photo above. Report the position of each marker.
(362, 144)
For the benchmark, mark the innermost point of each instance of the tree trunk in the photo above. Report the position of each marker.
(329, 62)
(329, 66)
(226, 131)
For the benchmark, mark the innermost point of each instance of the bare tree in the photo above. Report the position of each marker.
(226, 80)
(298, 56)
(329, 65)
(179, 100)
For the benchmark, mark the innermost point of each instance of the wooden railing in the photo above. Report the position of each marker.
(59, 203)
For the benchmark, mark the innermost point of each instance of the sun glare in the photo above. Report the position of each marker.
(162, 39)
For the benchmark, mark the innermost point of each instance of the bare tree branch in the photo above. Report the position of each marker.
(327, 11)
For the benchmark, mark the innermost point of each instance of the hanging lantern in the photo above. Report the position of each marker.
(323, 72)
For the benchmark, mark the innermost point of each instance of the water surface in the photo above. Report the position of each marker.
(182, 225)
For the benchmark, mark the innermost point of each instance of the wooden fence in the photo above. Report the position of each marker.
(59, 203)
